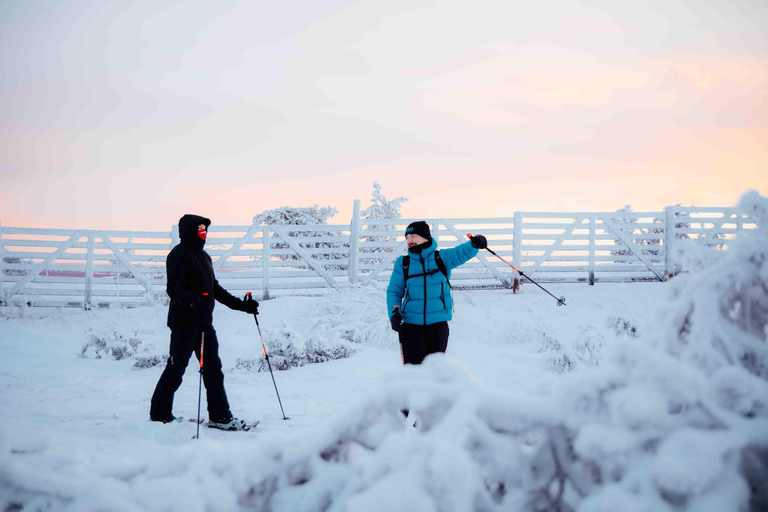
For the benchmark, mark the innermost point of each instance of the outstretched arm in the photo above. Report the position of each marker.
(396, 288)
(458, 255)
(226, 298)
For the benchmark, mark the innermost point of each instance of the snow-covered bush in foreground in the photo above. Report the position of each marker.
(642, 432)
(721, 316)
(680, 424)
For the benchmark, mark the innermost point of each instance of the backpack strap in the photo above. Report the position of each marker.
(440, 268)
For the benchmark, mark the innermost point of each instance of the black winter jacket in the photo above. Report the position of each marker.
(190, 275)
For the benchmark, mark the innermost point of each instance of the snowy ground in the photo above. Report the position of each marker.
(72, 416)
(499, 336)
(605, 404)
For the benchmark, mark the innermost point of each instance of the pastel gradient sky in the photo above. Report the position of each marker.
(128, 114)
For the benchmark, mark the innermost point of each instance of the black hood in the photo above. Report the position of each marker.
(188, 229)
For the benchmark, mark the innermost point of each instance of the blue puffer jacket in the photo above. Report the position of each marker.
(425, 300)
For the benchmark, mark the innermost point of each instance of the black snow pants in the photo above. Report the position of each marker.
(418, 341)
(184, 341)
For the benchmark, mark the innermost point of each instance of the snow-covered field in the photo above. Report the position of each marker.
(633, 397)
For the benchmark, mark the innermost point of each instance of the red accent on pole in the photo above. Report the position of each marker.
(202, 345)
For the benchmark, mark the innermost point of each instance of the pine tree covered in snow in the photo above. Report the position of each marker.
(381, 208)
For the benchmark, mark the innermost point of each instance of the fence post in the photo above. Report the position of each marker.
(436, 231)
(87, 300)
(2, 262)
(265, 257)
(517, 248)
(669, 241)
(592, 249)
(517, 240)
(174, 236)
(354, 241)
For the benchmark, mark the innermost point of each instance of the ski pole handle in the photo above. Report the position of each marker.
(263, 345)
(469, 235)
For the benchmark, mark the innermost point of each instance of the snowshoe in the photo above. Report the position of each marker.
(230, 424)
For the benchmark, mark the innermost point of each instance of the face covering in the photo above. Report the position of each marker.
(202, 233)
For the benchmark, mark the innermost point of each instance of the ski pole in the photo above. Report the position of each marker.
(264, 346)
(200, 386)
(402, 356)
(560, 301)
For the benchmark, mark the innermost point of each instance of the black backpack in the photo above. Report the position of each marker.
(440, 268)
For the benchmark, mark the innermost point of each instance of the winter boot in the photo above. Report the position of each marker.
(165, 419)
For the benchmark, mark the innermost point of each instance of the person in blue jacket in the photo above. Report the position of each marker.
(419, 298)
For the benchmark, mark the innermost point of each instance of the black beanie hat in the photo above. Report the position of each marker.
(420, 228)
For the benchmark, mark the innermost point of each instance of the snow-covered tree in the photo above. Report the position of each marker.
(381, 208)
(296, 215)
(303, 216)
(639, 230)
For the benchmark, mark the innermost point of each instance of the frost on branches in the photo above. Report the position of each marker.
(721, 318)
(381, 208)
(639, 230)
(305, 216)
(675, 420)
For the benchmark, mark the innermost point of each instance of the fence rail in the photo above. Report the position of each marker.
(93, 268)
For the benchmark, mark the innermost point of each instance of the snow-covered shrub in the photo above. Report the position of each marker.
(588, 345)
(536, 333)
(110, 343)
(144, 362)
(721, 316)
(354, 316)
(304, 216)
(287, 348)
(296, 216)
(357, 315)
(622, 326)
(641, 229)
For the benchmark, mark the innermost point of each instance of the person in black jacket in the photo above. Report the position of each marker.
(193, 288)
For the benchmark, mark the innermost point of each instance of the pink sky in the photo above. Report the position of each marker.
(128, 115)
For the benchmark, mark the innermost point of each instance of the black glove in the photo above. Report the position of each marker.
(396, 320)
(203, 303)
(250, 306)
(479, 242)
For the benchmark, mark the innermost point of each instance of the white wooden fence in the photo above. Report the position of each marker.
(90, 268)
